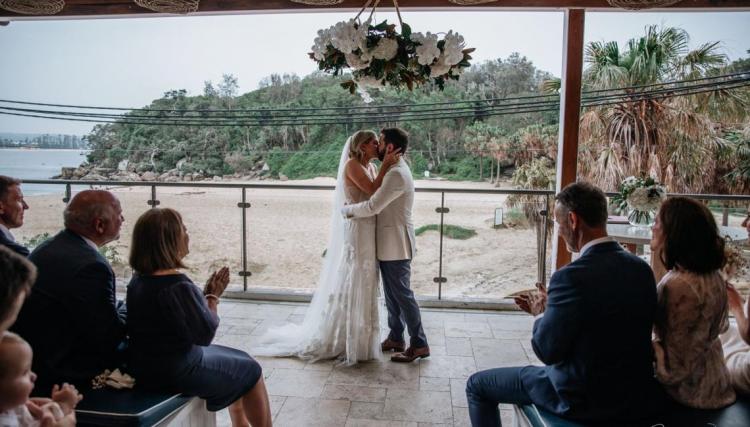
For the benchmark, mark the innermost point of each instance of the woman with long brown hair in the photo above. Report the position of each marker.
(171, 324)
(692, 306)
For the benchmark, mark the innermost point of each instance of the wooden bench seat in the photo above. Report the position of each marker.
(736, 415)
(110, 407)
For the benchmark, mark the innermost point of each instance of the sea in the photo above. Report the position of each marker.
(38, 164)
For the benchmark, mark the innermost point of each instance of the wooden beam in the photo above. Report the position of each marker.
(94, 8)
(570, 112)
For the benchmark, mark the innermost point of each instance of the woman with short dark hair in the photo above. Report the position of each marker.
(692, 306)
(171, 324)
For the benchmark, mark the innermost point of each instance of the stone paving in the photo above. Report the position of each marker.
(428, 392)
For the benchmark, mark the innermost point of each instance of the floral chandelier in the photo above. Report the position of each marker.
(381, 56)
(33, 7)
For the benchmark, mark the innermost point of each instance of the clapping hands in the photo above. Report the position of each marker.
(217, 283)
(66, 396)
(534, 302)
(734, 299)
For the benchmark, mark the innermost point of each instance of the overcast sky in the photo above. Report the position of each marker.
(129, 62)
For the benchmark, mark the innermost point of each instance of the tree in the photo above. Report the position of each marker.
(209, 91)
(673, 139)
(228, 86)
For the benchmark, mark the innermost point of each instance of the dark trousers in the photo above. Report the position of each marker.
(399, 299)
(486, 389)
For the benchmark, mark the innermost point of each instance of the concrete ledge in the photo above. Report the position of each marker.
(270, 294)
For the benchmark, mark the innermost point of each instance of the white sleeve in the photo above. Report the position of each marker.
(393, 186)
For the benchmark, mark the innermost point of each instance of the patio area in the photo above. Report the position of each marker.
(429, 392)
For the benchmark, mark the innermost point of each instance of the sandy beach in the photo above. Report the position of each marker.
(287, 232)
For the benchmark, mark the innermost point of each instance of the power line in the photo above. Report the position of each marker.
(474, 101)
(351, 118)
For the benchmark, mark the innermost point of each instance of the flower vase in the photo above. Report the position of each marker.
(639, 218)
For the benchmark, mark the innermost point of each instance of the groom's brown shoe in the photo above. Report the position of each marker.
(390, 345)
(411, 354)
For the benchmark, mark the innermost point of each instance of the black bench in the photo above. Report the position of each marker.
(736, 415)
(110, 407)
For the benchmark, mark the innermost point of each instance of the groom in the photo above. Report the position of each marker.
(392, 204)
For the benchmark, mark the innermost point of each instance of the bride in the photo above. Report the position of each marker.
(342, 319)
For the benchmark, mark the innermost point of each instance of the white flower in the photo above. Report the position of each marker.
(369, 81)
(646, 198)
(366, 98)
(386, 49)
(439, 68)
(346, 37)
(356, 62)
(321, 44)
(453, 48)
(428, 50)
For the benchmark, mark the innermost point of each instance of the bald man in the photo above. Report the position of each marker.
(72, 318)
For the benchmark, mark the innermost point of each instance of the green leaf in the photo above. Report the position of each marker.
(406, 31)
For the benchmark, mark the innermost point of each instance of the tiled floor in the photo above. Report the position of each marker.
(429, 392)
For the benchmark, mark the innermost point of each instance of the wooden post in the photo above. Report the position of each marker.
(570, 113)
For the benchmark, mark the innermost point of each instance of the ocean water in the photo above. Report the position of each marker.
(38, 164)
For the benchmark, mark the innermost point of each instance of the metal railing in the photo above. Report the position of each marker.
(541, 228)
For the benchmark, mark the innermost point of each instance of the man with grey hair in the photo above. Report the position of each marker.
(72, 318)
(12, 207)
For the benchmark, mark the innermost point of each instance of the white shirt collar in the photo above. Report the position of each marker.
(88, 241)
(6, 232)
(591, 243)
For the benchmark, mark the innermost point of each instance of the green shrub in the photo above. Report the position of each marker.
(34, 241)
(111, 254)
(451, 231)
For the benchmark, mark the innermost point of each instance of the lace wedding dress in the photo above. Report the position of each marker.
(342, 319)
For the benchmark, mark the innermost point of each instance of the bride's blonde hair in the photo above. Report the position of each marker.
(359, 138)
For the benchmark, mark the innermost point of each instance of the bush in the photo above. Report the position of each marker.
(34, 241)
(451, 231)
(461, 169)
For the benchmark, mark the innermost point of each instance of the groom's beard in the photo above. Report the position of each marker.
(381, 155)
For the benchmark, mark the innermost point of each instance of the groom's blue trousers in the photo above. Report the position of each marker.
(399, 299)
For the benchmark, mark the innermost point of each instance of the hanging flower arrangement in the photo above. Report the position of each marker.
(379, 55)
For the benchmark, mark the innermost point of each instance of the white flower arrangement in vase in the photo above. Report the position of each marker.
(640, 197)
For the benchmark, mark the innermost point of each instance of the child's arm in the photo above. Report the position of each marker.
(66, 396)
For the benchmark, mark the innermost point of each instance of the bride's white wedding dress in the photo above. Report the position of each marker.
(342, 319)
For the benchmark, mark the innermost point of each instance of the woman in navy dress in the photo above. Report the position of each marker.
(171, 324)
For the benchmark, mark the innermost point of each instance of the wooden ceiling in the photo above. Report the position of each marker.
(122, 8)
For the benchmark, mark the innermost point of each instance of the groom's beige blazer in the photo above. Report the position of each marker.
(392, 203)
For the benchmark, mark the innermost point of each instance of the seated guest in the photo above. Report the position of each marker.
(12, 207)
(16, 383)
(17, 275)
(592, 332)
(735, 341)
(171, 324)
(72, 317)
(692, 309)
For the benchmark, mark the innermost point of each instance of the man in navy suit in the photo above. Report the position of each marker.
(72, 319)
(592, 332)
(12, 207)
